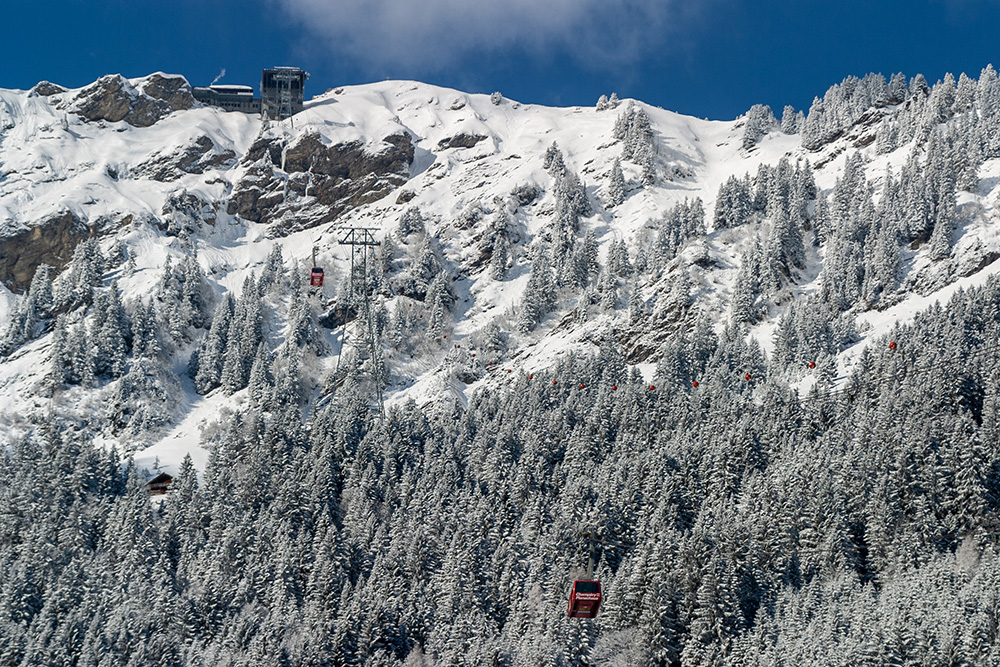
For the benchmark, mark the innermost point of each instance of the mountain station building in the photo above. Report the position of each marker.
(282, 94)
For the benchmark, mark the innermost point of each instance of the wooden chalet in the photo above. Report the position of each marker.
(159, 485)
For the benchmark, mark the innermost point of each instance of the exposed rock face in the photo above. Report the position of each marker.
(196, 158)
(257, 194)
(352, 160)
(50, 242)
(318, 182)
(174, 91)
(113, 98)
(460, 140)
(271, 147)
(45, 88)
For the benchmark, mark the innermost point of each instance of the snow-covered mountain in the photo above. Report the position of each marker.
(610, 191)
(706, 358)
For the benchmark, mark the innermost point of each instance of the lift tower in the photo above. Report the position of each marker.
(282, 92)
(362, 242)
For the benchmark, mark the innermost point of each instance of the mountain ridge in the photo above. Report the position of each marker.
(757, 396)
(230, 189)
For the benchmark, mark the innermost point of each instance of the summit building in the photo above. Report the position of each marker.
(282, 94)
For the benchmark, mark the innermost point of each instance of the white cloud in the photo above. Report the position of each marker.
(432, 35)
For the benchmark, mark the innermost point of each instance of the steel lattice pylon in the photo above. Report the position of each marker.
(284, 81)
(362, 241)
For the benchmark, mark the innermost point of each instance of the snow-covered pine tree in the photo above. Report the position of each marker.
(648, 162)
(944, 226)
(145, 330)
(732, 204)
(274, 270)
(785, 244)
(942, 99)
(142, 399)
(747, 288)
(75, 286)
(965, 95)
(29, 314)
(427, 264)
(57, 373)
(919, 87)
(411, 222)
(759, 121)
(679, 297)
(261, 382)
(814, 132)
(553, 161)
(607, 286)
(571, 190)
(539, 294)
(618, 260)
(110, 335)
(616, 185)
(589, 255)
(897, 91)
(789, 120)
(500, 256)
(886, 137)
(438, 303)
(303, 331)
(633, 129)
(966, 154)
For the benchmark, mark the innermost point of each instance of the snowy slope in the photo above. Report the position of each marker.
(51, 162)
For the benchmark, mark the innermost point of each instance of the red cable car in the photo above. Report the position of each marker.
(316, 277)
(584, 599)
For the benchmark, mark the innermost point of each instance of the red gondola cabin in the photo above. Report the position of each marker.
(584, 599)
(316, 277)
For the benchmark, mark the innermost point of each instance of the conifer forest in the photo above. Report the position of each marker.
(724, 407)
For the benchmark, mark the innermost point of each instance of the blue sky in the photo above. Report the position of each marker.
(708, 58)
